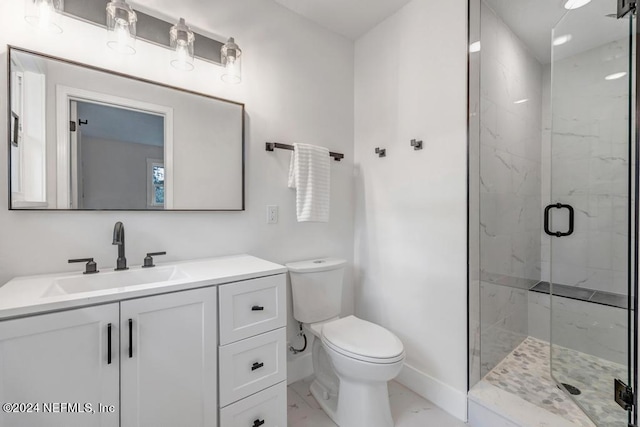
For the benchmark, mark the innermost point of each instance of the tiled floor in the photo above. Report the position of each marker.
(526, 373)
(408, 409)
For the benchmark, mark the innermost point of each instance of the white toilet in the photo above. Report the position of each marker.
(352, 359)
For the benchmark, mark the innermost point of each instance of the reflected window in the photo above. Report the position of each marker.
(155, 183)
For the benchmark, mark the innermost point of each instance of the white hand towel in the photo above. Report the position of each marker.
(309, 174)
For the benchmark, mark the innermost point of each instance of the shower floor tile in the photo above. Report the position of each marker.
(526, 373)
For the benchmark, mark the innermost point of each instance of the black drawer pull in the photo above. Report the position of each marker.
(257, 308)
(258, 422)
(130, 338)
(109, 344)
(257, 366)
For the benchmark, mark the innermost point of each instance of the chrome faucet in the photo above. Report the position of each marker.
(118, 239)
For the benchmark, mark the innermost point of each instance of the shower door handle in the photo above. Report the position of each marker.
(547, 213)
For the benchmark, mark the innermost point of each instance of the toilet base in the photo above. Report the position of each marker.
(363, 404)
(327, 401)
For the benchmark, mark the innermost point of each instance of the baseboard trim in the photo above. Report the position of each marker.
(443, 395)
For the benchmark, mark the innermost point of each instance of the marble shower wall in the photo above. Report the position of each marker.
(510, 186)
(588, 163)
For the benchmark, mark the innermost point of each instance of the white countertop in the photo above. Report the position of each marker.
(28, 295)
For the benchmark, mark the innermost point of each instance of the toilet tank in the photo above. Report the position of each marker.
(316, 286)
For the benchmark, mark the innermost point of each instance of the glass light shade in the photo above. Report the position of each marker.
(182, 42)
(121, 26)
(44, 14)
(231, 56)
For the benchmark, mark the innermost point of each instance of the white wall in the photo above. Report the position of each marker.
(410, 252)
(298, 86)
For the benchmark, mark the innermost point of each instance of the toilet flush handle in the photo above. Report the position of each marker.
(258, 422)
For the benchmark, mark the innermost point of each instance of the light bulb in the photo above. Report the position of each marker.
(43, 14)
(182, 41)
(232, 61)
(121, 26)
(232, 73)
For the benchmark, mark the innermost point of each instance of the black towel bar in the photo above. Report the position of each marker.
(270, 146)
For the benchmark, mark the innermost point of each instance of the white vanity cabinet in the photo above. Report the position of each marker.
(52, 360)
(162, 370)
(252, 353)
(168, 360)
(206, 349)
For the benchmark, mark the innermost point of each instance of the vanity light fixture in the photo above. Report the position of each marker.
(231, 56)
(182, 42)
(44, 14)
(574, 4)
(121, 26)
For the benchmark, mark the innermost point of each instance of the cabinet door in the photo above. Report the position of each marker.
(60, 363)
(168, 350)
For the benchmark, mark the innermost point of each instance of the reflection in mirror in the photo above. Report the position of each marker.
(111, 135)
(84, 138)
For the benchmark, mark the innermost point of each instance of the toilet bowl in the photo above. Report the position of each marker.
(353, 359)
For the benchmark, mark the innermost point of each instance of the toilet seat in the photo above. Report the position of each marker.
(362, 340)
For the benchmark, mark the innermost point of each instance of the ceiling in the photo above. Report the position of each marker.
(533, 21)
(350, 18)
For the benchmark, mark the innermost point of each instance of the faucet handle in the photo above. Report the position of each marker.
(91, 266)
(148, 260)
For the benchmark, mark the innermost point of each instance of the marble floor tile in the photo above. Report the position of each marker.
(408, 409)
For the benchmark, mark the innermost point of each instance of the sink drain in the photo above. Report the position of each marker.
(574, 391)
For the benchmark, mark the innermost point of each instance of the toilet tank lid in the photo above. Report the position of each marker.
(314, 265)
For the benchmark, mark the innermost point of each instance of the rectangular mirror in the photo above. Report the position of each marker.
(83, 138)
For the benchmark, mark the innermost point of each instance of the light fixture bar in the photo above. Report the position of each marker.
(149, 28)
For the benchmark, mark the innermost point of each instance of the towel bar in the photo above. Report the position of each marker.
(270, 146)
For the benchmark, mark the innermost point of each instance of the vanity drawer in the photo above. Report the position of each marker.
(251, 365)
(252, 307)
(269, 406)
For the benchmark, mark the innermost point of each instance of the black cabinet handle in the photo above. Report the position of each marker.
(547, 213)
(109, 344)
(130, 338)
(257, 366)
(258, 422)
(257, 308)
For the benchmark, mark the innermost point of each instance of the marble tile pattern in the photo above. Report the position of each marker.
(588, 162)
(526, 372)
(509, 188)
(407, 408)
(503, 324)
(510, 162)
(590, 328)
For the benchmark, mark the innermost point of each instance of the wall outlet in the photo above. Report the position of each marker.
(272, 214)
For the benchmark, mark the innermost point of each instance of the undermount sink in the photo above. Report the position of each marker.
(113, 280)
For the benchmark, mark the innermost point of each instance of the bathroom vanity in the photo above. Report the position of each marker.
(198, 343)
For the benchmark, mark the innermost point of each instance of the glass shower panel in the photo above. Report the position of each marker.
(587, 219)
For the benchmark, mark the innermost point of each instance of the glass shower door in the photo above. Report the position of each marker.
(587, 220)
